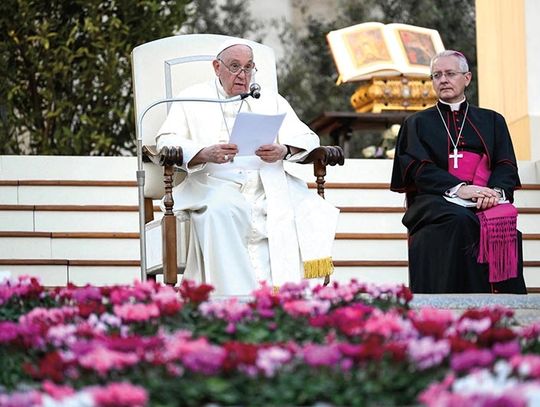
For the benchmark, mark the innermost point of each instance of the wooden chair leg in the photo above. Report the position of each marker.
(168, 227)
(170, 267)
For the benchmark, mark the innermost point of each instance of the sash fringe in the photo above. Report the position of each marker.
(498, 246)
(318, 268)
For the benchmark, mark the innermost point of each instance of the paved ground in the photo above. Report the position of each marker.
(526, 307)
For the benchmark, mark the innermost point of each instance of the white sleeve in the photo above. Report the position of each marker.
(452, 192)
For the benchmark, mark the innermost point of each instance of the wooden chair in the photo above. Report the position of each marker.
(161, 69)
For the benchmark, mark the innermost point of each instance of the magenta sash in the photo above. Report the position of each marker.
(498, 225)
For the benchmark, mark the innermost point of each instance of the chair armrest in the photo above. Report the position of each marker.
(320, 158)
(325, 155)
(165, 157)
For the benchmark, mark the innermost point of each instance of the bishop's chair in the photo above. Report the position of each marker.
(161, 69)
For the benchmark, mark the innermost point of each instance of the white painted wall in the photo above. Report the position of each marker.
(532, 34)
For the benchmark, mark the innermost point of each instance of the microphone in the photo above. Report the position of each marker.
(254, 91)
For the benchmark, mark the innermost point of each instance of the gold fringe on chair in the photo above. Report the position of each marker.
(318, 268)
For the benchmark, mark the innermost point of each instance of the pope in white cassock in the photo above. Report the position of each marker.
(251, 221)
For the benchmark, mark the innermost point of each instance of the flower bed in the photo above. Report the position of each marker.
(353, 344)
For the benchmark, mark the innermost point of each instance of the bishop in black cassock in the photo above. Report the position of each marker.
(443, 237)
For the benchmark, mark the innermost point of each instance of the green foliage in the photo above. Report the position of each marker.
(65, 67)
(231, 17)
(308, 74)
(66, 70)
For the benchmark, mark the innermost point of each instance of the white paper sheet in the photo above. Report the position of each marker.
(252, 130)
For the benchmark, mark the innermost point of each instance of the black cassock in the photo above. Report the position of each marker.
(443, 237)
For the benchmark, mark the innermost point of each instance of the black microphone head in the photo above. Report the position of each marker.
(255, 90)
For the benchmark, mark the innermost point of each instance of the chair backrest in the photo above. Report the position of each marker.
(162, 68)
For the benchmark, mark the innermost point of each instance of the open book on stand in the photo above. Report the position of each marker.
(367, 50)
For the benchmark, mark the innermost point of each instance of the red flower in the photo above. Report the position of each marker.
(191, 292)
(50, 367)
(496, 335)
(350, 320)
(458, 344)
(396, 351)
(89, 308)
(430, 327)
(239, 354)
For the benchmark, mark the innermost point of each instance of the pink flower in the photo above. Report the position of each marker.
(473, 325)
(168, 300)
(471, 358)
(434, 395)
(336, 292)
(269, 360)
(48, 317)
(21, 399)
(8, 331)
(289, 291)
(136, 312)
(120, 395)
(322, 355)
(202, 357)
(265, 300)
(385, 324)
(230, 310)
(527, 365)
(87, 294)
(304, 308)
(350, 320)
(22, 287)
(56, 391)
(428, 352)
(197, 355)
(102, 360)
(60, 335)
(506, 350)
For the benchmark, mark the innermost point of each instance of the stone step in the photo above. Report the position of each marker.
(60, 272)
(125, 218)
(526, 307)
(396, 272)
(388, 220)
(82, 246)
(71, 218)
(109, 192)
(43, 192)
(125, 245)
(389, 246)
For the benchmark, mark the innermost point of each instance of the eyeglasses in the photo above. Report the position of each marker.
(236, 68)
(449, 75)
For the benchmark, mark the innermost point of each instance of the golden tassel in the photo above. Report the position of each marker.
(318, 268)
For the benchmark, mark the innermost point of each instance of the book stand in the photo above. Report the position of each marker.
(393, 93)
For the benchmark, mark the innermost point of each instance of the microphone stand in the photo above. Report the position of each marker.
(254, 92)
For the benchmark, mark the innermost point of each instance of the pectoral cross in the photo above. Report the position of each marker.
(455, 156)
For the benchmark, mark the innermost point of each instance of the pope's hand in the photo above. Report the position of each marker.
(271, 153)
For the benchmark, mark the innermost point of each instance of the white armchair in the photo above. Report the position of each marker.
(161, 69)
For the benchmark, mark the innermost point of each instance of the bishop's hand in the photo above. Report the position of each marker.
(483, 196)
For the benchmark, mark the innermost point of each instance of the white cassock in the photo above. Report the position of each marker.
(250, 220)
